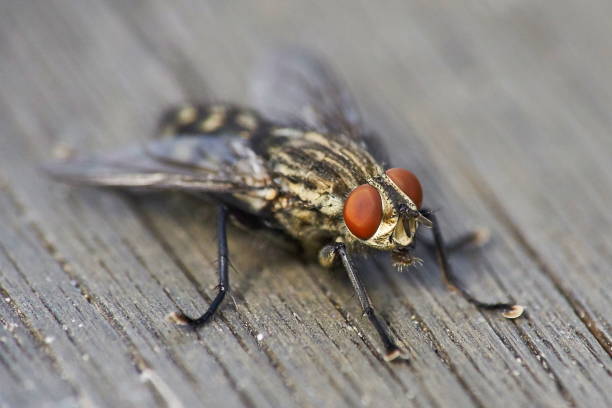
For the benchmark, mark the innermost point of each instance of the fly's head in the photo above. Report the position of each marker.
(384, 213)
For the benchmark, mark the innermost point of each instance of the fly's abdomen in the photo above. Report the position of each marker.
(211, 119)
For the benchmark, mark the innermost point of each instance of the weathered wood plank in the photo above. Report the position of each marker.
(495, 105)
(547, 287)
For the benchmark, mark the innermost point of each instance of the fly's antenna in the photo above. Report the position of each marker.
(421, 216)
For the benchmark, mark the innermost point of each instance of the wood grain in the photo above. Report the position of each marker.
(501, 108)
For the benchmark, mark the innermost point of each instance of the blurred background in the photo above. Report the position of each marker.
(501, 107)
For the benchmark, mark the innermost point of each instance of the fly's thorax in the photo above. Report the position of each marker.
(316, 176)
(314, 173)
(317, 169)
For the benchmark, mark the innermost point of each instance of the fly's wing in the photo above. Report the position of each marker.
(223, 164)
(296, 88)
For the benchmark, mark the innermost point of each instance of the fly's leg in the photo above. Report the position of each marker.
(510, 310)
(182, 319)
(392, 351)
(477, 238)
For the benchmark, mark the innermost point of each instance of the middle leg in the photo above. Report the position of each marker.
(392, 351)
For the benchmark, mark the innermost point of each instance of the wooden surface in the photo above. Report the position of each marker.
(502, 107)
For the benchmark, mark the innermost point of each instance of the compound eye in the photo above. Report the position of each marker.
(363, 211)
(408, 183)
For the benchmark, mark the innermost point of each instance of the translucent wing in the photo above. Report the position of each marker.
(296, 88)
(205, 163)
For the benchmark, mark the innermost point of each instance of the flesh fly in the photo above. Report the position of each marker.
(300, 162)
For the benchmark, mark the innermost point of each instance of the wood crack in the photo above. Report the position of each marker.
(35, 334)
(148, 225)
(436, 345)
(490, 198)
(65, 266)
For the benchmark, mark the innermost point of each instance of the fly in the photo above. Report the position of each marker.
(303, 163)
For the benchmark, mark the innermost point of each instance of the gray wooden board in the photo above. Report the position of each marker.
(502, 108)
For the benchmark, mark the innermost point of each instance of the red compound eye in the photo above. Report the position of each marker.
(363, 211)
(408, 183)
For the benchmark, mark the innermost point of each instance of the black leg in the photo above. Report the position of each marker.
(391, 350)
(223, 287)
(473, 239)
(511, 310)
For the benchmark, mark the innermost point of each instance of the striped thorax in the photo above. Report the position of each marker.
(316, 174)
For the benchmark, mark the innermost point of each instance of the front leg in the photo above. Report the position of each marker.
(327, 255)
(222, 288)
(474, 239)
(510, 310)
